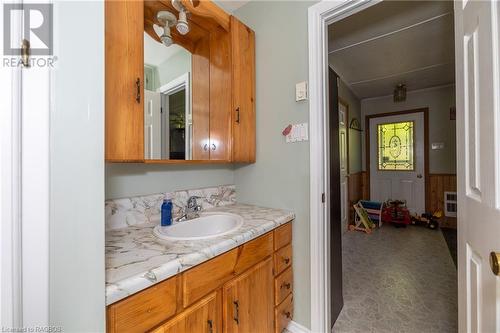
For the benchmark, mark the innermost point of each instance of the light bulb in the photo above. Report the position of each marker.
(182, 23)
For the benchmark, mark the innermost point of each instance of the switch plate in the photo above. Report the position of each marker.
(301, 91)
(437, 145)
(299, 132)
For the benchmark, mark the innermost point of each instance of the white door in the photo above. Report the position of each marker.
(397, 160)
(152, 125)
(344, 172)
(478, 167)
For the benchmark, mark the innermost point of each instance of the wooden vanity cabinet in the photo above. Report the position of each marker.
(238, 291)
(248, 301)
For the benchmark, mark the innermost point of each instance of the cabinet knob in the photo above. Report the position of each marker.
(286, 285)
(288, 314)
(205, 147)
(210, 326)
(213, 146)
(286, 260)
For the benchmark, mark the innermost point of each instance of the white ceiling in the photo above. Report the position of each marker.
(231, 5)
(393, 42)
(155, 53)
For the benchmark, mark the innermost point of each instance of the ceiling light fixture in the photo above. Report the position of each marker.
(400, 93)
(166, 20)
(182, 24)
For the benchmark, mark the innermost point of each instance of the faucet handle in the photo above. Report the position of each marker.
(192, 203)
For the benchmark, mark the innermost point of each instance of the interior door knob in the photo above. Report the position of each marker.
(495, 262)
(419, 175)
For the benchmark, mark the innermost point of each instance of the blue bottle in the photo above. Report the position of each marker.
(166, 213)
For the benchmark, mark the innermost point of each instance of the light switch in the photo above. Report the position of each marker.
(437, 145)
(301, 91)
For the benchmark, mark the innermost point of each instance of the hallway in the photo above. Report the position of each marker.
(398, 280)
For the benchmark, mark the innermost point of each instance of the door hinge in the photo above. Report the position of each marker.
(323, 197)
(25, 53)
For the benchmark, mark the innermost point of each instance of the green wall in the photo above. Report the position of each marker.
(130, 179)
(280, 177)
(76, 277)
(173, 67)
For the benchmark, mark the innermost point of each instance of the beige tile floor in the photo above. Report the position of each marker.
(398, 280)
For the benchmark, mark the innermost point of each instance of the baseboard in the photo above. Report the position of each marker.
(294, 327)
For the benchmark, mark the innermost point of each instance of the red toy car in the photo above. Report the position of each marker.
(397, 213)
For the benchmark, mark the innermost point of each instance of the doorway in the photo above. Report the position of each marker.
(392, 160)
(397, 156)
(168, 126)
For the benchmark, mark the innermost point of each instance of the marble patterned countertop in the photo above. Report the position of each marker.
(136, 259)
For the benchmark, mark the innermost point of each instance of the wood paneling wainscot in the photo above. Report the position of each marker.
(355, 185)
(440, 183)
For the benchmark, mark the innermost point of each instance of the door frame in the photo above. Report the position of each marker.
(425, 111)
(183, 81)
(348, 175)
(320, 16)
(24, 175)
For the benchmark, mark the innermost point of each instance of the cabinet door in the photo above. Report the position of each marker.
(243, 114)
(124, 53)
(248, 301)
(203, 317)
(200, 99)
(220, 95)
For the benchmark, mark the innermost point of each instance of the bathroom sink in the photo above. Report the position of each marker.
(208, 225)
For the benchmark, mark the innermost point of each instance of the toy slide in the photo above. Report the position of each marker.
(362, 221)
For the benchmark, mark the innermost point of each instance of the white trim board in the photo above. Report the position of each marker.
(320, 16)
(294, 327)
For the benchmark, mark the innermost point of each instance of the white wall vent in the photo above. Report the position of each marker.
(450, 204)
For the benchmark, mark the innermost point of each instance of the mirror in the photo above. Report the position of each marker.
(168, 120)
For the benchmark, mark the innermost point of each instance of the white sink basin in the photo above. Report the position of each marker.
(208, 225)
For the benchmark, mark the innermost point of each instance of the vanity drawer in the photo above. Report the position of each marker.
(283, 259)
(283, 314)
(283, 285)
(204, 278)
(282, 236)
(141, 312)
(254, 252)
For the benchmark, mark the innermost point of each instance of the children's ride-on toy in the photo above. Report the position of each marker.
(427, 219)
(396, 213)
(362, 221)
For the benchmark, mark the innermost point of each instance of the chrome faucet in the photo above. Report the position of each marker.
(192, 209)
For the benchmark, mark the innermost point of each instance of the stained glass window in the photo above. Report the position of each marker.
(395, 146)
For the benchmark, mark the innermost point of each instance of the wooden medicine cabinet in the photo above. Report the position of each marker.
(190, 102)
